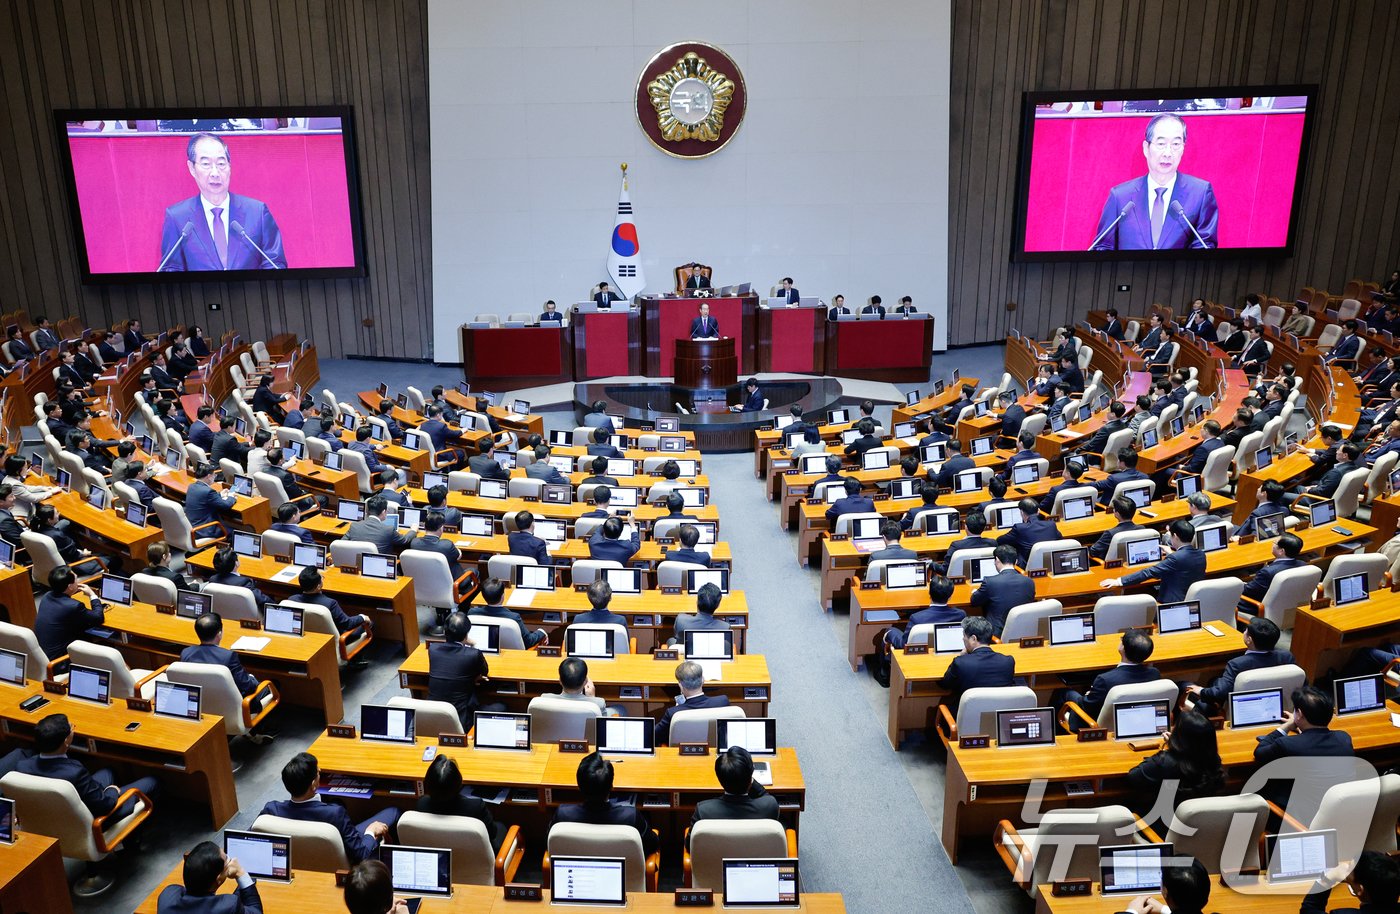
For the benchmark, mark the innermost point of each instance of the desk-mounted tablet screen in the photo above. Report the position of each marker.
(759, 735)
(7, 821)
(283, 620)
(500, 730)
(350, 510)
(623, 580)
(588, 880)
(1071, 628)
(1076, 507)
(309, 555)
(534, 577)
(116, 590)
(980, 569)
(190, 604)
(1025, 473)
(1269, 526)
(709, 645)
(249, 544)
(1212, 538)
(382, 567)
(982, 446)
(875, 459)
(176, 699)
(89, 684)
(418, 870)
(1132, 868)
(621, 466)
(590, 643)
(12, 666)
(904, 575)
(264, 856)
(1140, 552)
(767, 883)
(1069, 561)
(1028, 727)
(1300, 856)
(699, 577)
(477, 525)
(1350, 588)
(1256, 708)
(386, 723)
(1322, 512)
(1187, 485)
(937, 452)
(1178, 617)
(948, 638)
(1138, 719)
(692, 496)
(1360, 693)
(967, 481)
(626, 735)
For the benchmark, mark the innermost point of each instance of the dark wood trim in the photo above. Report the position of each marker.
(564, 336)
(893, 374)
(578, 324)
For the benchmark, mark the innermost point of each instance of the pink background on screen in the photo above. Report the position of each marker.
(1251, 161)
(126, 183)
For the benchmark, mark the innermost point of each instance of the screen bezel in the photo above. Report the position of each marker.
(571, 642)
(1155, 702)
(476, 731)
(561, 863)
(733, 862)
(198, 700)
(1337, 588)
(1029, 101)
(1235, 696)
(377, 738)
(1337, 693)
(1163, 852)
(348, 134)
(648, 728)
(262, 837)
(443, 854)
(1271, 854)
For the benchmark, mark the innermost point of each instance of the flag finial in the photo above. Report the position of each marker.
(624, 174)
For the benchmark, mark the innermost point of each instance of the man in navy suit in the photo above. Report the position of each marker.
(1305, 735)
(689, 536)
(1031, 530)
(595, 783)
(1127, 472)
(1167, 204)
(1254, 357)
(60, 619)
(226, 574)
(1114, 328)
(1073, 470)
(1209, 445)
(1002, 591)
(940, 591)
(891, 531)
(1199, 322)
(52, 738)
(787, 293)
(753, 398)
(606, 543)
(704, 327)
(432, 541)
(1260, 637)
(978, 666)
(206, 870)
(301, 776)
(1348, 347)
(203, 504)
(1124, 510)
(599, 596)
(456, 668)
(852, 503)
(1026, 454)
(955, 464)
(551, 314)
(1159, 359)
(213, 242)
(838, 307)
(875, 307)
(605, 296)
(1286, 550)
(691, 677)
(133, 339)
(1387, 445)
(1349, 457)
(1175, 573)
(928, 493)
(1134, 649)
(696, 277)
(744, 798)
(1153, 335)
(523, 542)
(209, 628)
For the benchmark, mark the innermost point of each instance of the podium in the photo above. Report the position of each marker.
(706, 364)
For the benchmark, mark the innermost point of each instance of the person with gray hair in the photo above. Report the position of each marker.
(1198, 506)
(691, 677)
(978, 666)
(216, 229)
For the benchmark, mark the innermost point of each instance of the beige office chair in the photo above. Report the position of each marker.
(1065, 845)
(431, 719)
(124, 681)
(147, 588)
(1030, 620)
(698, 725)
(473, 860)
(1287, 591)
(178, 532)
(671, 573)
(579, 839)
(1163, 689)
(1221, 832)
(233, 603)
(1219, 599)
(509, 633)
(316, 846)
(714, 840)
(977, 710)
(317, 618)
(219, 695)
(37, 664)
(345, 553)
(553, 718)
(586, 571)
(1118, 613)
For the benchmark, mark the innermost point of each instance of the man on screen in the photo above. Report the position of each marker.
(226, 230)
(1163, 206)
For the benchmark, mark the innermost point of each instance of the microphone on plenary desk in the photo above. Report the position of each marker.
(184, 233)
(1127, 208)
(1180, 213)
(242, 233)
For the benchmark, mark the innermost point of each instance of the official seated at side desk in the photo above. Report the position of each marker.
(253, 512)
(518, 676)
(108, 527)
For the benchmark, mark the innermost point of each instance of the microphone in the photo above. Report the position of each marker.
(242, 233)
(1127, 208)
(184, 233)
(1180, 213)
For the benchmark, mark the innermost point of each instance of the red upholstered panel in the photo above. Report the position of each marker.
(508, 352)
(878, 344)
(607, 344)
(793, 330)
(676, 315)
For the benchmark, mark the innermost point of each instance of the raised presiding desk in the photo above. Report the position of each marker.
(190, 757)
(898, 348)
(310, 891)
(516, 356)
(646, 687)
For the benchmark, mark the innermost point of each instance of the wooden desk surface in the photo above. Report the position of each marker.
(254, 511)
(107, 525)
(310, 891)
(17, 595)
(1325, 636)
(32, 876)
(475, 504)
(573, 549)
(1255, 898)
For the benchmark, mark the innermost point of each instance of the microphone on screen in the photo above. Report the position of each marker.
(1127, 208)
(1180, 213)
(237, 228)
(184, 233)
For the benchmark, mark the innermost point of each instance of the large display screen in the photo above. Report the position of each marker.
(171, 195)
(1159, 174)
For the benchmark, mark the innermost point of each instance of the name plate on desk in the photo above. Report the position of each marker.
(670, 591)
(341, 731)
(695, 898)
(914, 650)
(975, 741)
(253, 624)
(516, 891)
(1092, 734)
(580, 588)
(838, 537)
(165, 610)
(1072, 888)
(452, 740)
(548, 650)
(693, 748)
(663, 653)
(573, 745)
(53, 687)
(529, 498)
(1039, 573)
(1036, 641)
(138, 704)
(869, 585)
(1113, 563)
(665, 541)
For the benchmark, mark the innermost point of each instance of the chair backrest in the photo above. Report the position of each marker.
(431, 719)
(1077, 857)
(463, 481)
(502, 567)
(1040, 552)
(473, 860)
(1287, 676)
(1085, 356)
(1378, 480)
(712, 840)
(525, 488)
(584, 527)
(672, 573)
(579, 839)
(1372, 563)
(621, 641)
(316, 449)
(1029, 619)
(432, 578)
(277, 543)
(1215, 477)
(354, 462)
(1116, 613)
(218, 694)
(1071, 492)
(961, 562)
(1136, 691)
(1273, 316)
(1348, 494)
(586, 571)
(977, 710)
(315, 845)
(147, 588)
(43, 554)
(346, 553)
(51, 807)
(102, 657)
(1349, 308)
(1035, 423)
(697, 725)
(553, 718)
(1288, 591)
(174, 525)
(22, 640)
(876, 569)
(1221, 832)
(1345, 806)
(1329, 336)
(510, 639)
(233, 602)
(271, 488)
(1219, 598)
(285, 436)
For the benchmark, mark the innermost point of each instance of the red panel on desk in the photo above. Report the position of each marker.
(879, 344)
(676, 315)
(607, 345)
(516, 352)
(793, 330)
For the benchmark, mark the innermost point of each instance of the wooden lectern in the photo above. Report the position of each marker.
(706, 364)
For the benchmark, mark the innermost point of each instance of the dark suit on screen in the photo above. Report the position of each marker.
(1134, 231)
(198, 252)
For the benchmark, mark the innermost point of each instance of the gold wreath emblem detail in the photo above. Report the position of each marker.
(691, 66)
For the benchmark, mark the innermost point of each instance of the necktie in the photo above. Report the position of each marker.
(221, 236)
(1159, 214)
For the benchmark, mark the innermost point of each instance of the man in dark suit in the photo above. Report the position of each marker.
(1175, 573)
(550, 314)
(44, 335)
(788, 293)
(97, 790)
(226, 574)
(201, 435)
(287, 515)
(707, 600)
(1286, 550)
(1124, 510)
(301, 776)
(433, 541)
(166, 383)
(691, 677)
(60, 618)
(1116, 423)
(1253, 359)
(978, 666)
(1153, 335)
(1127, 472)
(928, 493)
(209, 629)
(1031, 530)
(1348, 347)
(744, 798)
(1114, 328)
(1000, 592)
(1169, 209)
(1389, 444)
(227, 446)
(374, 528)
(874, 307)
(940, 591)
(595, 783)
(523, 542)
(606, 543)
(182, 362)
(852, 503)
(133, 339)
(598, 417)
(492, 592)
(1199, 322)
(867, 440)
(598, 475)
(107, 348)
(696, 278)
(1326, 487)
(1134, 649)
(753, 398)
(1260, 652)
(954, 465)
(890, 531)
(1070, 475)
(456, 668)
(19, 349)
(1236, 338)
(605, 297)
(1059, 402)
(227, 230)
(704, 327)
(1305, 735)
(974, 524)
(689, 537)
(484, 464)
(838, 307)
(10, 529)
(309, 583)
(440, 433)
(1159, 359)
(206, 869)
(1209, 445)
(1071, 375)
(905, 307)
(325, 431)
(599, 596)
(1026, 454)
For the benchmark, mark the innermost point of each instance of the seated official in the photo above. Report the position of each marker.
(543, 470)
(209, 629)
(704, 327)
(375, 529)
(598, 417)
(974, 525)
(1188, 764)
(599, 596)
(853, 502)
(1176, 572)
(928, 493)
(1031, 530)
(492, 592)
(1272, 501)
(301, 776)
(1070, 476)
(1116, 422)
(226, 574)
(288, 516)
(1114, 327)
(978, 666)
(204, 504)
(1286, 550)
(443, 796)
(1185, 890)
(696, 278)
(691, 677)
(369, 889)
(595, 783)
(1070, 374)
(227, 446)
(266, 400)
(276, 468)
(432, 540)
(456, 669)
(744, 798)
(201, 434)
(753, 398)
(788, 293)
(1374, 880)
(838, 308)
(605, 297)
(1026, 454)
(876, 306)
(550, 314)
(1134, 649)
(437, 501)
(53, 737)
(999, 593)
(158, 566)
(1307, 734)
(1198, 511)
(1127, 472)
(60, 619)
(607, 544)
(1124, 510)
(326, 431)
(435, 426)
(523, 541)
(1153, 336)
(206, 869)
(867, 440)
(364, 446)
(1260, 652)
(309, 584)
(940, 591)
(602, 500)
(484, 464)
(136, 475)
(44, 520)
(574, 685)
(689, 537)
(1348, 459)
(890, 532)
(707, 600)
(26, 496)
(955, 464)
(602, 445)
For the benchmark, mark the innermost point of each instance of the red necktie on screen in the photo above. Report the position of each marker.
(221, 235)
(1159, 214)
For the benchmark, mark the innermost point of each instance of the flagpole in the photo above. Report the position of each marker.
(624, 175)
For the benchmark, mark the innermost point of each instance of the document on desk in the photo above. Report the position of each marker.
(520, 596)
(714, 669)
(250, 643)
(288, 574)
(909, 442)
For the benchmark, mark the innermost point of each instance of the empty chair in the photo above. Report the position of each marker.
(431, 719)
(1207, 827)
(346, 553)
(1345, 806)
(1219, 599)
(1065, 843)
(433, 586)
(1029, 620)
(502, 567)
(713, 840)
(579, 839)
(124, 682)
(37, 664)
(278, 544)
(1039, 557)
(462, 481)
(147, 588)
(697, 725)
(673, 574)
(509, 633)
(219, 695)
(1117, 613)
(553, 718)
(44, 555)
(960, 565)
(1373, 564)
(473, 860)
(977, 710)
(316, 846)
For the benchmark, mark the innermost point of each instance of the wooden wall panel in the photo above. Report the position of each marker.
(1348, 224)
(371, 54)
